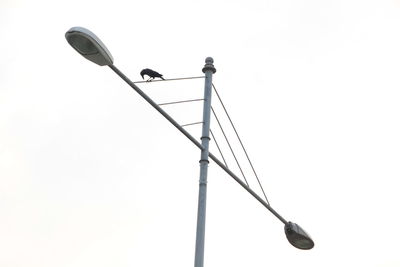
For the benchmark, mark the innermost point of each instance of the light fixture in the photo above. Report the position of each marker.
(298, 237)
(89, 45)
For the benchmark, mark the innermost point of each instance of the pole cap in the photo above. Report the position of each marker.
(209, 65)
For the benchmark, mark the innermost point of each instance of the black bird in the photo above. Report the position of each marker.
(151, 73)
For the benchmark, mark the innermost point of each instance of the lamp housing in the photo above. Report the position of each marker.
(89, 46)
(298, 237)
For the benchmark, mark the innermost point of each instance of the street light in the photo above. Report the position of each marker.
(90, 46)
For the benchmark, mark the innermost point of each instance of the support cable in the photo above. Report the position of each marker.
(220, 152)
(193, 123)
(240, 141)
(230, 147)
(179, 102)
(173, 79)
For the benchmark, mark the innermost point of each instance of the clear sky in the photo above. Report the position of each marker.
(91, 175)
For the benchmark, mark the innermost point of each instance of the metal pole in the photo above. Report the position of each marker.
(209, 70)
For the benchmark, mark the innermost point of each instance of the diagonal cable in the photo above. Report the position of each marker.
(189, 124)
(247, 156)
(220, 152)
(230, 147)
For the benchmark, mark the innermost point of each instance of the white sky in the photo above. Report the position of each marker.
(91, 175)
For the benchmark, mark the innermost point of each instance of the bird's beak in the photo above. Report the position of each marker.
(142, 77)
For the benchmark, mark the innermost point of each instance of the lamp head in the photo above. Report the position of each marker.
(89, 46)
(298, 237)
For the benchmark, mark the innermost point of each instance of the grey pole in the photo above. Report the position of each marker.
(209, 70)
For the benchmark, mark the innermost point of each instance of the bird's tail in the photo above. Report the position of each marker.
(162, 77)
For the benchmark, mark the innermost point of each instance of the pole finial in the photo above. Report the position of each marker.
(209, 65)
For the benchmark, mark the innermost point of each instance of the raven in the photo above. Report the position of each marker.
(151, 73)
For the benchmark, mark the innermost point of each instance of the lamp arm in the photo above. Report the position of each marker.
(194, 141)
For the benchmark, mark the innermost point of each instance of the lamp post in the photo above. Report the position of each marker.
(209, 70)
(91, 47)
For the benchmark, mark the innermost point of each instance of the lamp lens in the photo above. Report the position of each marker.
(82, 44)
(303, 243)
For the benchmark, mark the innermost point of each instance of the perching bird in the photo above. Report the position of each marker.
(151, 73)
